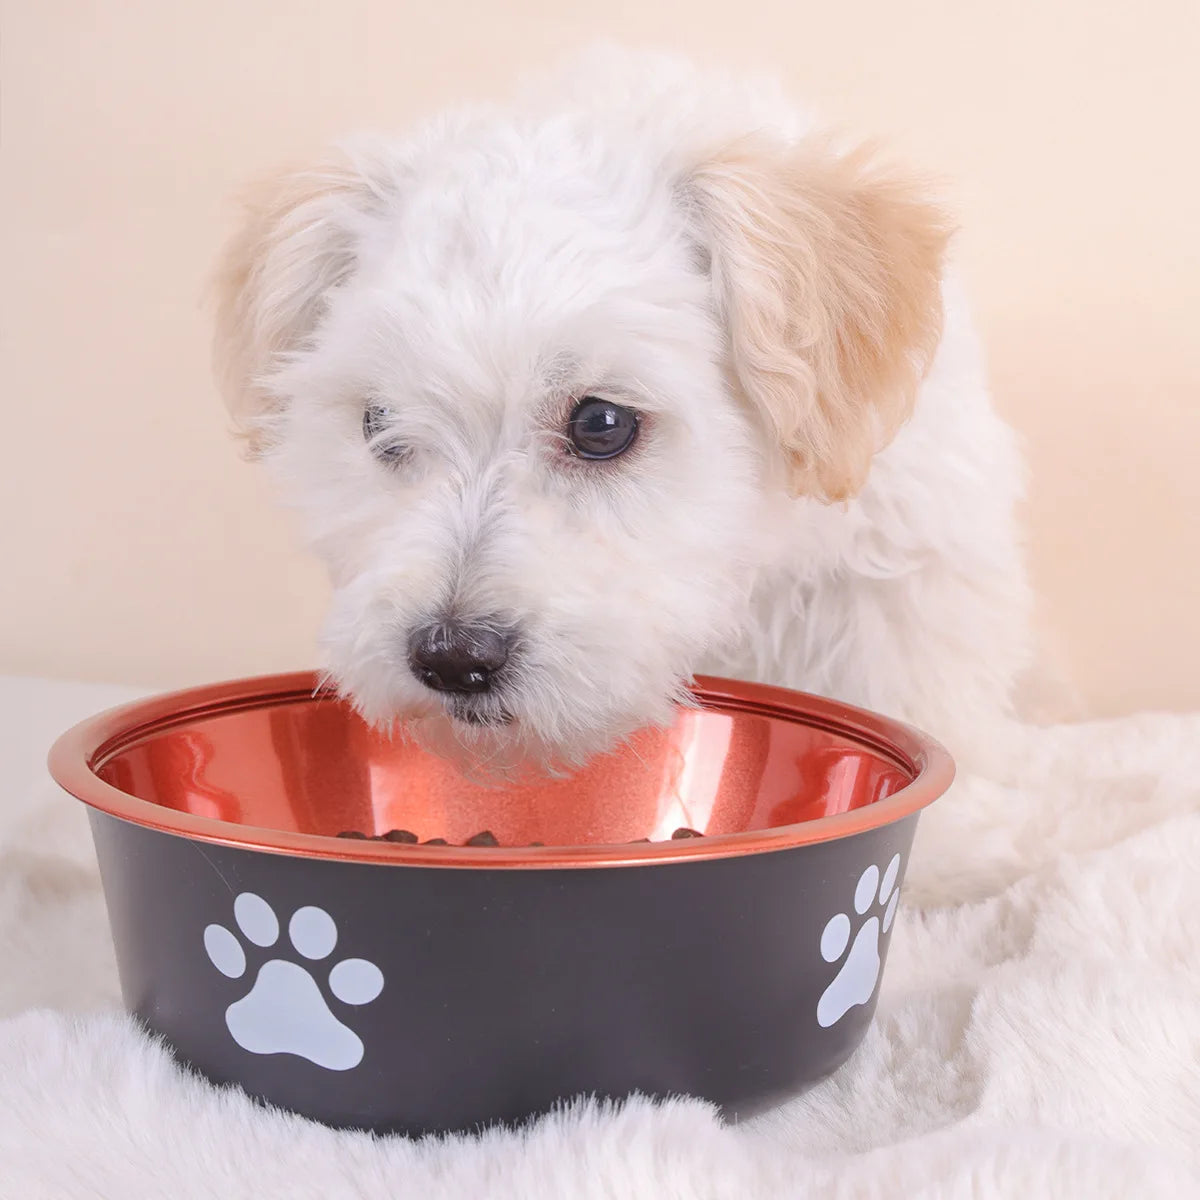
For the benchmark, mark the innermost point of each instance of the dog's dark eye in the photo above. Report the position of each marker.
(377, 433)
(601, 429)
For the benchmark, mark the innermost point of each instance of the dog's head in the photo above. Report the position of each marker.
(541, 386)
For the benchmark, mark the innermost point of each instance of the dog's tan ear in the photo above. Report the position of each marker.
(827, 270)
(298, 239)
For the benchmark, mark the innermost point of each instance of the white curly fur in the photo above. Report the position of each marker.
(686, 244)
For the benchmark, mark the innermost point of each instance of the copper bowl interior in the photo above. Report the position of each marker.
(267, 763)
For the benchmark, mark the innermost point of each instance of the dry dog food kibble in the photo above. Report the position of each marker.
(485, 837)
(400, 835)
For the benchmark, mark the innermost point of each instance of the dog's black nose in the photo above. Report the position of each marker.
(456, 656)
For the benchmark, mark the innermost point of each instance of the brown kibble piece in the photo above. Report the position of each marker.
(436, 842)
(353, 833)
(637, 840)
(684, 832)
(400, 835)
(485, 837)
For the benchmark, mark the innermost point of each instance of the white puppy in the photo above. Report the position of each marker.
(638, 377)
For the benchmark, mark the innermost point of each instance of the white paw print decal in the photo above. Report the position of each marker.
(855, 982)
(285, 1012)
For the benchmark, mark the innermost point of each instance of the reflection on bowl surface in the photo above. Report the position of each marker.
(316, 768)
(272, 759)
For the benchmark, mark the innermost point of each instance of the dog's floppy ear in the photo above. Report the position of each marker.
(827, 273)
(298, 238)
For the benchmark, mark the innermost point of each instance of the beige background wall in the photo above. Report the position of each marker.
(135, 544)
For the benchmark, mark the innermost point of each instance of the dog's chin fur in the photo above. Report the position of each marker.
(541, 721)
(490, 745)
(820, 494)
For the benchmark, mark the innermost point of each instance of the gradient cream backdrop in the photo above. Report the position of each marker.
(137, 546)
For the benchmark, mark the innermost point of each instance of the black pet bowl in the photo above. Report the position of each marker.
(417, 988)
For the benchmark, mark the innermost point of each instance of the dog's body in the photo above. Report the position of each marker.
(429, 339)
(912, 599)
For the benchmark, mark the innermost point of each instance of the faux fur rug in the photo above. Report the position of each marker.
(1038, 1031)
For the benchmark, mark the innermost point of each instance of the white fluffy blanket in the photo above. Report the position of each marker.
(1038, 1032)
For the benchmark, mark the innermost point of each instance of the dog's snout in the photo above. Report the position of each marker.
(456, 656)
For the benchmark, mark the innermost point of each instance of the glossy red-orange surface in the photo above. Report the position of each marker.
(266, 764)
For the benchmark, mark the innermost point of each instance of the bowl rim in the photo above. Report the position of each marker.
(80, 751)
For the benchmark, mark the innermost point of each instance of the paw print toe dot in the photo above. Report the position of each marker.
(224, 951)
(889, 879)
(864, 894)
(355, 981)
(256, 919)
(313, 932)
(890, 912)
(835, 937)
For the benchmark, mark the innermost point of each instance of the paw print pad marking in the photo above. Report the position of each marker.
(855, 982)
(285, 1012)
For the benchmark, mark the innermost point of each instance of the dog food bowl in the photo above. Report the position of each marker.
(413, 988)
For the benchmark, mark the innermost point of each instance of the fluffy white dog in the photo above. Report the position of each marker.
(637, 377)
